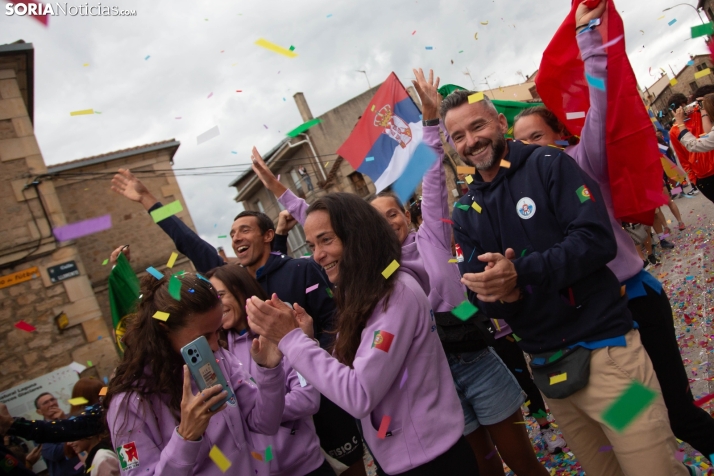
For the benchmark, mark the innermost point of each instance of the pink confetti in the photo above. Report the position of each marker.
(78, 465)
(383, 427)
(209, 96)
(178, 118)
(605, 449)
(610, 43)
(414, 32)
(679, 455)
(311, 288)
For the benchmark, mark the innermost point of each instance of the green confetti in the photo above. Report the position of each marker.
(540, 414)
(517, 339)
(292, 48)
(222, 236)
(166, 211)
(104, 263)
(329, 292)
(555, 356)
(462, 206)
(89, 363)
(175, 287)
(628, 406)
(464, 310)
(302, 128)
(523, 253)
(702, 30)
(268, 453)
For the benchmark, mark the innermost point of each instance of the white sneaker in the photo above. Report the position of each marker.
(552, 438)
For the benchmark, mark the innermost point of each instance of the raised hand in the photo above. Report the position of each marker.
(115, 254)
(271, 319)
(125, 183)
(265, 175)
(584, 14)
(265, 352)
(428, 91)
(286, 222)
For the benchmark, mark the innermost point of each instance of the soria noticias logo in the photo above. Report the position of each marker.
(57, 9)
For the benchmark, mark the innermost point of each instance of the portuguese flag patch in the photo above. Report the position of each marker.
(584, 194)
(382, 340)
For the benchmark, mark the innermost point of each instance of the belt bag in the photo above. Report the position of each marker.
(560, 374)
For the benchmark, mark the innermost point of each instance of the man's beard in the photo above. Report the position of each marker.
(498, 146)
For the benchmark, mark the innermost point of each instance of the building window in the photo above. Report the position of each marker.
(359, 184)
(258, 205)
(702, 66)
(296, 178)
(693, 86)
(711, 15)
(296, 242)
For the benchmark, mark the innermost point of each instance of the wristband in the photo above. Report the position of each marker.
(590, 25)
(431, 122)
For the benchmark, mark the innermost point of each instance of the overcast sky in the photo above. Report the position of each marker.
(196, 48)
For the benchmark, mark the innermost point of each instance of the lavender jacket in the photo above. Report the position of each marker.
(144, 433)
(295, 447)
(400, 371)
(425, 253)
(591, 156)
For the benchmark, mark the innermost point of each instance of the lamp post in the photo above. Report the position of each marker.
(365, 75)
(690, 6)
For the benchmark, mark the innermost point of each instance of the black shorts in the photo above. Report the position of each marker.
(338, 433)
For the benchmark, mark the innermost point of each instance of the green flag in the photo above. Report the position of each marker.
(123, 295)
(510, 109)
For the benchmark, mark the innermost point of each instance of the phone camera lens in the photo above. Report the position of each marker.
(194, 359)
(190, 351)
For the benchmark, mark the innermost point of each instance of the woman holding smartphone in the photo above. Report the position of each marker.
(295, 447)
(159, 422)
(388, 368)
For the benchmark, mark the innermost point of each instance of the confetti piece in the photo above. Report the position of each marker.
(166, 211)
(475, 37)
(369, 159)
(172, 260)
(275, 48)
(429, 47)
(303, 127)
(476, 207)
(175, 287)
(660, 18)
(464, 311)
(83, 112)
(222, 236)
(292, 48)
(312, 288)
(383, 427)
(268, 453)
(211, 133)
(704, 400)
(85, 64)
(257, 456)
(24, 326)
(209, 96)
(372, 108)
(83, 228)
(476, 97)
(610, 43)
(155, 272)
(404, 378)
(78, 465)
(702, 73)
(672, 22)
(389, 270)
(472, 254)
(555, 356)
(446, 220)
(414, 33)
(453, 260)
(679, 455)
(702, 30)
(103, 391)
(328, 16)
(464, 170)
(597, 83)
(89, 363)
(633, 401)
(219, 458)
(574, 115)
(160, 315)
(559, 378)
(469, 179)
(105, 262)
(484, 22)
(329, 292)
(673, 82)
(605, 449)
(147, 57)
(505, 164)
(177, 117)
(462, 206)
(78, 401)
(690, 63)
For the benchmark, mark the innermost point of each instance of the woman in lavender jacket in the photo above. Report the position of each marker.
(296, 447)
(159, 428)
(648, 302)
(388, 368)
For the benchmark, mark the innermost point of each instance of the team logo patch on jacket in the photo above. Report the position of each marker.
(382, 340)
(128, 456)
(526, 208)
(584, 194)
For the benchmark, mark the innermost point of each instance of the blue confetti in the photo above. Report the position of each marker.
(672, 22)
(147, 57)
(472, 254)
(234, 152)
(369, 159)
(429, 47)
(563, 143)
(154, 272)
(597, 83)
(690, 63)
(328, 16)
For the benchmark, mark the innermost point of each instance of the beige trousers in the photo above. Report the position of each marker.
(647, 446)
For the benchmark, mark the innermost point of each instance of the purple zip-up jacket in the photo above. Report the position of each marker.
(590, 153)
(400, 371)
(296, 447)
(151, 429)
(425, 253)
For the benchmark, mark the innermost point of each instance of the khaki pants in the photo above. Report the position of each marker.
(647, 446)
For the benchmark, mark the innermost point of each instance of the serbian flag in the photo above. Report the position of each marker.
(387, 138)
(631, 145)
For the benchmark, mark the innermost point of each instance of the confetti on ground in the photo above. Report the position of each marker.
(24, 326)
(312, 288)
(476, 97)
(160, 315)
(78, 401)
(83, 228)
(389, 270)
(166, 211)
(211, 133)
(275, 48)
(219, 458)
(83, 112)
(172, 260)
(464, 311)
(633, 401)
(155, 272)
(384, 426)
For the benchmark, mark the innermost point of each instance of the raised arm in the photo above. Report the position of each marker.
(89, 423)
(704, 143)
(203, 255)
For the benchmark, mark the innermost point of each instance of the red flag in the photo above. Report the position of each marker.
(631, 145)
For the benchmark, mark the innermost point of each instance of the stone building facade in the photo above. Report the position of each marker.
(686, 84)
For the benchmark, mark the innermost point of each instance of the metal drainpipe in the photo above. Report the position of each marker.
(314, 154)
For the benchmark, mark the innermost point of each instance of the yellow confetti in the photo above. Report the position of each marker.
(453, 261)
(82, 112)
(505, 164)
(660, 17)
(528, 403)
(469, 179)
(172, 260)
(702, 73)
(275, 48)
(103, 391)
(476, 207)
(559, 378)
(162, 316)
(484, 22)
(78, 401)
(389, 270)
(463, 170)
(219, 458)
(85, 64)
(372, 108)
(622, 290)
(476, 97)
(475, 36)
